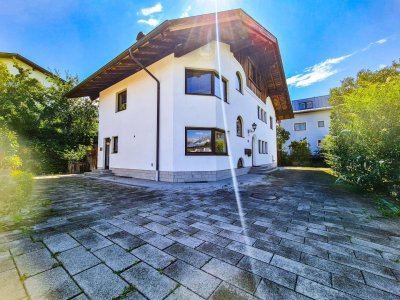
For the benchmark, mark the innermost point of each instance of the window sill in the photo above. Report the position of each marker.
(209, 95)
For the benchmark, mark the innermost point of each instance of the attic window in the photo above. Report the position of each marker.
(121, 101)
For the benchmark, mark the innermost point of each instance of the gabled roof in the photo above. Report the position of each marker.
(26, 61)
(245, 36)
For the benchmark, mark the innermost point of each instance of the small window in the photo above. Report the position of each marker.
(321, 123)
(115, 144)
(203, 141)
(306, 105)
(121, 101)
(271, 123)
(258, 111)
(218, 89)
(238, 82)
(239, 127)
(319, 143)
(259, 146)
(266, 147)
(252, 71)
(265, 117)
(299, 126)
(240, 163)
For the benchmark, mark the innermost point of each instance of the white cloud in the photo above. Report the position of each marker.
(151, 10)
(185, 13)
(150, 22)
(325, 69)
(381, 66)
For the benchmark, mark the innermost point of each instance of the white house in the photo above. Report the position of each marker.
(166, 111)
(311, 121)
(37, 72)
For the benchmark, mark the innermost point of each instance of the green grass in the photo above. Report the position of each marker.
(387, 208)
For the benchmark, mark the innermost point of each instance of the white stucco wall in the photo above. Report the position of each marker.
(136, 126)
(9, 62)
(313, 133)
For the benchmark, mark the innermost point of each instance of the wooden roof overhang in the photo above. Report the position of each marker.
(246, 37)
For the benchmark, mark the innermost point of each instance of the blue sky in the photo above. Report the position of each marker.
(321, 42)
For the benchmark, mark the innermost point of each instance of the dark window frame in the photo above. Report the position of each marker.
(215, 75)
(271, 122)
(239, 119)
(213, 149)
(118, 103)
(323, 124)
(114, 149)
(305, 126)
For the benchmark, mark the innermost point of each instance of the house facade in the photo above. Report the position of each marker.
(37, 72)
(311, 121)
(176, 116)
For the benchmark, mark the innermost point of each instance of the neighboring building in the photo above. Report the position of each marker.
(311, 121)
(179, 133)
(41, 74)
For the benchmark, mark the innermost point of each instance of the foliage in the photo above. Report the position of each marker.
(363, 146)
(282, 136)
(300, 153)
(387, 208)
(46, 121)
(9, 146)
(76, 155)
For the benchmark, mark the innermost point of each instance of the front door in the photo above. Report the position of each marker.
(107, 154)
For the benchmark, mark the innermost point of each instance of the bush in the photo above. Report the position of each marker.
(15, 191)
(363, 146)
(300, 153)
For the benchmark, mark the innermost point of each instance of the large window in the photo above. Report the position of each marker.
(239, 82)
(206, 83)
(299, 126)
(239, 127)
(121, 101)
(205, 141)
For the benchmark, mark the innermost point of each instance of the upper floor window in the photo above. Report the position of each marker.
(121, 101)
(321, 123)
(271, 122)
(306, 105)
(200, 82)
(299, 126)
(239, 82)
(239, 127)
(262, 115)
(115, 144)
(252, 71)
(205, 141)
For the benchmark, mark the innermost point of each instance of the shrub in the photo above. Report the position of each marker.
(300, 153)
(363, 146)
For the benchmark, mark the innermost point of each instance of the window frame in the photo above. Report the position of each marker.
(118, 108)
(214, 76)
(323, 124)
(113, 139)
(240, 81)
(271, 122)
(240, 119)
(213, 149)
(305, 126)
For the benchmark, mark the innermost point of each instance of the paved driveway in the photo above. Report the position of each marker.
(300, 238)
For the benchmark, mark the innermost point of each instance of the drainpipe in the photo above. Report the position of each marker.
(158, 113)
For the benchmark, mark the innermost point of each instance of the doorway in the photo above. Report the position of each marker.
(107, 143)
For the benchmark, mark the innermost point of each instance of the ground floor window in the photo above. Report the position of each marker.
(205, 141)
(240, 163)
(262, 147)
(115, 144)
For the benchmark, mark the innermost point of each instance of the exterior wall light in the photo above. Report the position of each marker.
(254, 126)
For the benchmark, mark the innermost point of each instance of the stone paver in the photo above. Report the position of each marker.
(311, 240)
(100, 282)
(60, 242)
(77, 259)
(149, 281)
(52, 284)
(116, 258)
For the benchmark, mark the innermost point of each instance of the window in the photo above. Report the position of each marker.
(252, 71)
(271, 122)
(239, 82)
(321, 123)
(259, 146)
(239, 127)
(205, 83)
(265, 117)
(319, 143)
(266, 147)
(306, 105)
(299, 126)
(262, 115)
(121, 101)
(240, 163)
(205, 141)
(115, 144)
(262, 147)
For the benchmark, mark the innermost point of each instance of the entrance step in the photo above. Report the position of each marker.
(261, 170)
(99, 173)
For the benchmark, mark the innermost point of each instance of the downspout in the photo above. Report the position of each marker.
(158, 113)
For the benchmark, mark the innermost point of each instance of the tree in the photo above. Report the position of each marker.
(363, 146)
(300, 153)
(282, 136)
(47, 122)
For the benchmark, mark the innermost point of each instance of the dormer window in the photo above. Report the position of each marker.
(306, 105)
